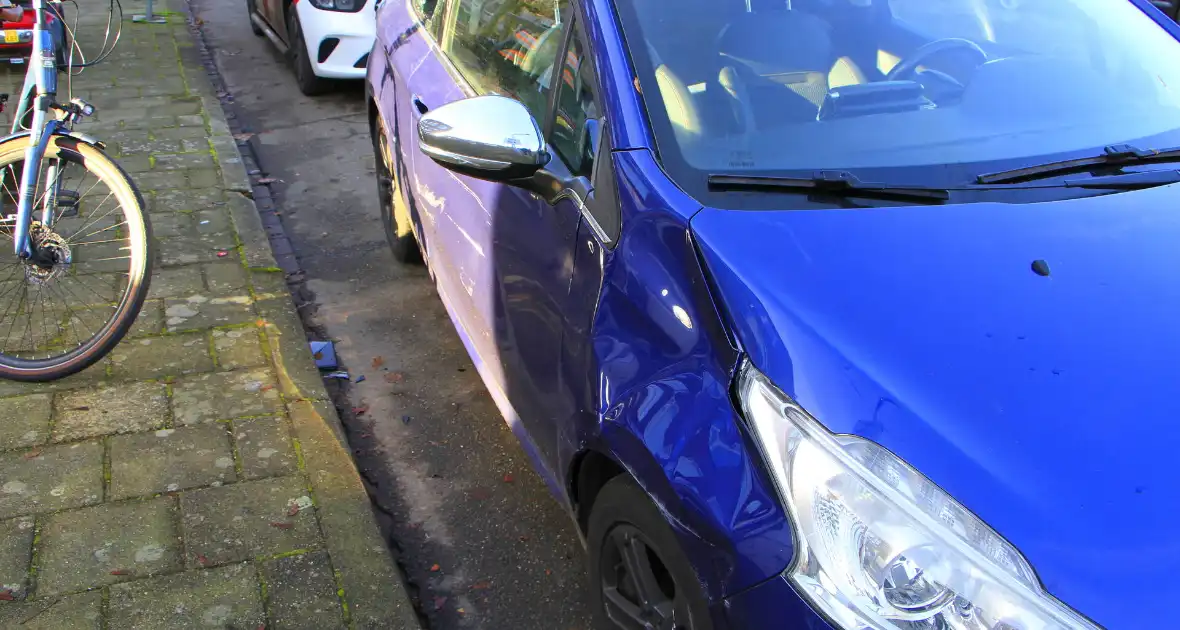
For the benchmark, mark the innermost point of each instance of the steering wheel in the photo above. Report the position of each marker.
(906, 67)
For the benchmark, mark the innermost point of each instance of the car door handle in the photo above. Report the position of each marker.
(419, 105)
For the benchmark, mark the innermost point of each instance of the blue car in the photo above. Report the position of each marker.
(848, 314)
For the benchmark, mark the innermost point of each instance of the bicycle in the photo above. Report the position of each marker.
(50, 258)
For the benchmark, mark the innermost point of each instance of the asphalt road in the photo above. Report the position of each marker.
(481, 539)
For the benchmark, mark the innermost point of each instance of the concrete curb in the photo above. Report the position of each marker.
(371, 584)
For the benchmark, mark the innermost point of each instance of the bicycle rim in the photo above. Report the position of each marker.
(67, 308)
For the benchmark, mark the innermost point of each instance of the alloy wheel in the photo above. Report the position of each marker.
(639, 592)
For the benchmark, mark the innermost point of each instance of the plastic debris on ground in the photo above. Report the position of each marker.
(324, 353)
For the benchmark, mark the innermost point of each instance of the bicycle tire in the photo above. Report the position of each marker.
(96, 163)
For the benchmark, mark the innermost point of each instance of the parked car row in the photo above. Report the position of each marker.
(848, 314)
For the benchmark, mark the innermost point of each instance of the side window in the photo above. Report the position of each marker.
(507, 47)
(575, 130)
(428, 11)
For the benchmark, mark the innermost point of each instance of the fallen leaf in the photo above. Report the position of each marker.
(394, 377)
(481, 585)
(243, 136)
(360, 411)
(480, 494)
(317, 356)
(282, 525)
(378, 361)
(439, 602)
(120, 572)
(461, 611)
(268, 180)
(202, 560)
(293, 510)
(435, 567)
(36, 452)
(548, 572)
(266, 388)
(508, 478)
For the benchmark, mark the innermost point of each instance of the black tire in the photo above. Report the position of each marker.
(395, 216)
(305, 77)
(626, 530)
(103, 335)
(251, 9)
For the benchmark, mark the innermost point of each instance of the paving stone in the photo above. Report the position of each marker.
(264, 447)
(225, 597)
(24, 421)
(73, 612)
(178, 161)
(270, 285)
(155, 357)
(159, 180)
(52, 478)
(301, 593)
(150, 320)
(169, 460)
(195, 145)
(214, 221)
(228, 278)
(177, 133)
(201, 311)
(177, 282)
(190, 121)
(247, 520)
(186, 251)
(112, 409)
(171, 224)
(238, 348)
(137, 142)
(105, 544)
(203, 177)
(16, 551)
(224, 396)
(86, 378)
(187, 200)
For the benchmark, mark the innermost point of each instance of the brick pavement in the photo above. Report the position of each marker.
(198, 476)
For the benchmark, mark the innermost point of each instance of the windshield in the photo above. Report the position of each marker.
(742, 86)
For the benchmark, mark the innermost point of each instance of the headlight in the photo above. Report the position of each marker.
(878, 545)
(350, 6)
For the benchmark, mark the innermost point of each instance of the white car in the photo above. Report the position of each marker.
(326, 39)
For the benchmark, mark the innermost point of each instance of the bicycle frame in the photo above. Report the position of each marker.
(38, 92)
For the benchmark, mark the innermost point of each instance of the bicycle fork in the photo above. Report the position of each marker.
(44, 64)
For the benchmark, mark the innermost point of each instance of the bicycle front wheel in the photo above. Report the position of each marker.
(67, 306)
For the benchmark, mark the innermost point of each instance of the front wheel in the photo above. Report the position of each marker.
(639, 576)
(394, 215)
(250, 11)
(68, 305)
(305, 77)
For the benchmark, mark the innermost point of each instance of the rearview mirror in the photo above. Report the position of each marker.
(490, 137)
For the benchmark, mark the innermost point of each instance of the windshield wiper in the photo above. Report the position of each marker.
(1127, 181)
(838, 183)
(1115, 154)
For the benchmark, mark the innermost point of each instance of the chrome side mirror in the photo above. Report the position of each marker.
(491, 137)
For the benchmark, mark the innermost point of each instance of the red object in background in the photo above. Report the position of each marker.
(16, 38)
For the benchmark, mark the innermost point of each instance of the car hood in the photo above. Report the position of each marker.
(1047, 404)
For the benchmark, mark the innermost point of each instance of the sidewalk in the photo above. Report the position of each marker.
(197, 477)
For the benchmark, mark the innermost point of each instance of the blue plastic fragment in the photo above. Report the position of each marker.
(324, 353)
(360, 378)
